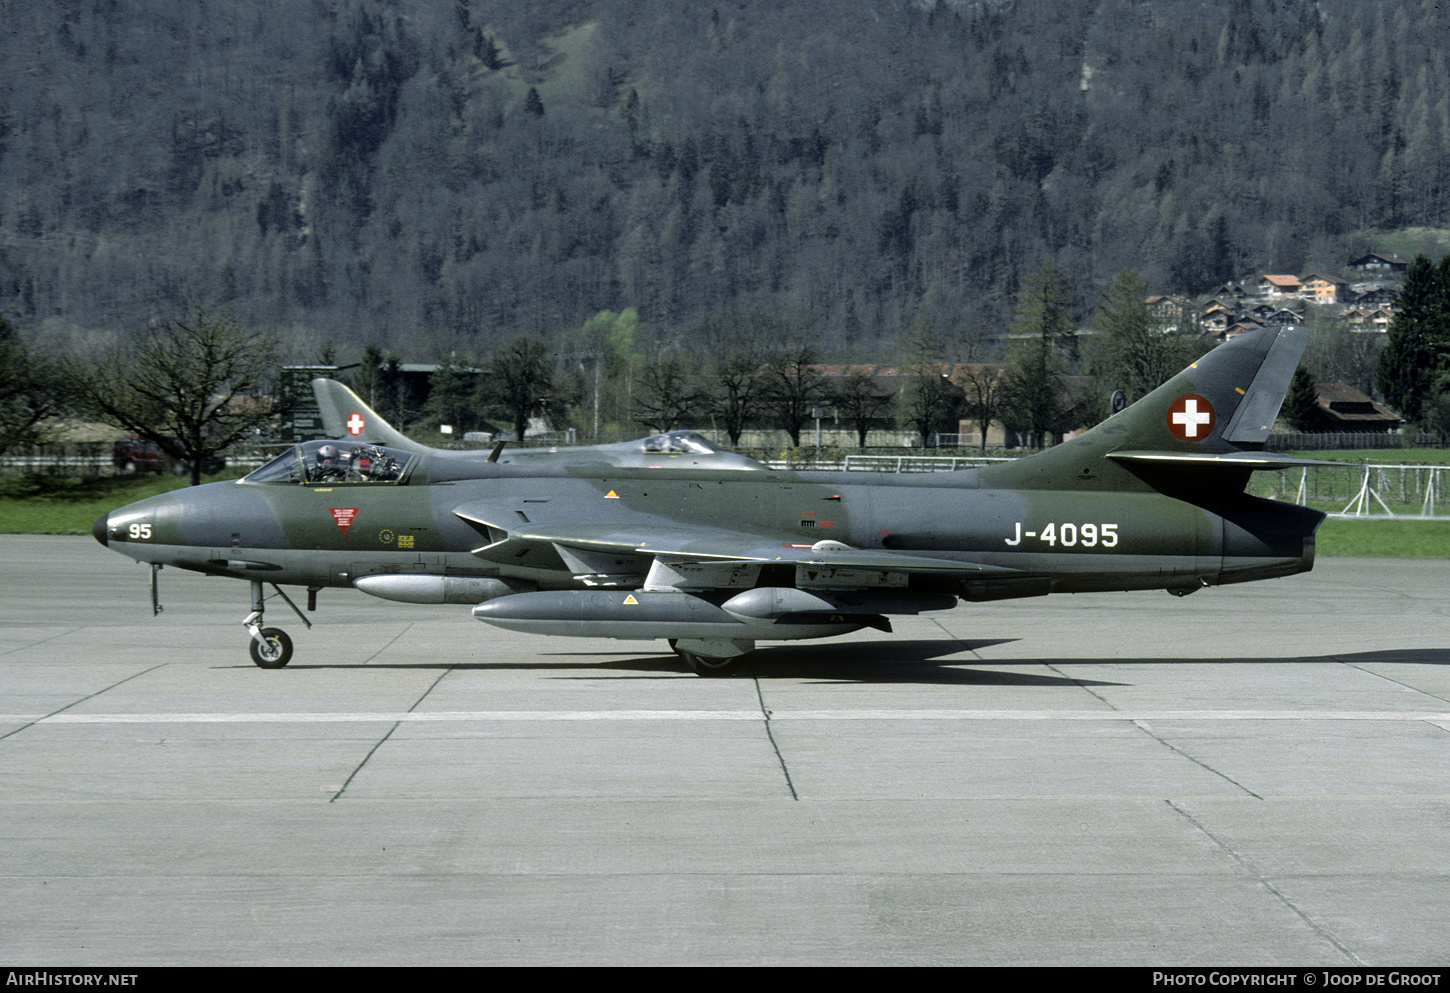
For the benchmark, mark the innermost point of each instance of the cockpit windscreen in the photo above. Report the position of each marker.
(335, 462)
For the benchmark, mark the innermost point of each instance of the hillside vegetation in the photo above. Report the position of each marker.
(420, 173)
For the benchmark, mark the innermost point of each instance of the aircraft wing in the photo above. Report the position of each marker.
(614, 550)
(723, 545)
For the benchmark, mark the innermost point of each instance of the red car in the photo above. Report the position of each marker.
(133, 454)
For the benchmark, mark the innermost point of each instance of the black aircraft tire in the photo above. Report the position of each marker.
(705, 665)
(673, 643)
(278, 652)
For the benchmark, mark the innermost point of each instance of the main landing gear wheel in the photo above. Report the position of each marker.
(705, 665)
(274, 651)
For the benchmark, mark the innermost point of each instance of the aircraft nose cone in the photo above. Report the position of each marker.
(99, 529)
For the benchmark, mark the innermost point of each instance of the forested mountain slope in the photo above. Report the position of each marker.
(417, 173)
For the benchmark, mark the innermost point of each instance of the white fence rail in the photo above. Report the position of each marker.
(1370, 489)
(886, 463)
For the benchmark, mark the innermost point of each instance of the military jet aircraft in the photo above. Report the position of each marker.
(715, 561)
(344, 415)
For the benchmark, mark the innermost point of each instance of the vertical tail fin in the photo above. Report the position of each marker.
(344, 415)
(1226, 402)
(1217, 411)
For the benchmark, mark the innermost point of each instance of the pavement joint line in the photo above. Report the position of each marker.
(59, 711)
(396, 724)
(40, 641)
(1391, 680)
(391, 642)
(765, 714)
(1321, 930)
(1147, 729)
(1438, 718)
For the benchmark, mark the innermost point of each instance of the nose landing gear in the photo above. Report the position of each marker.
(270, 648)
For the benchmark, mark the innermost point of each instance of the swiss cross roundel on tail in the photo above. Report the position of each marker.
(355, 424)
(1191, 418)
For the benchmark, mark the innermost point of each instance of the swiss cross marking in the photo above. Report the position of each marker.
(355, 424)
(1190, 418)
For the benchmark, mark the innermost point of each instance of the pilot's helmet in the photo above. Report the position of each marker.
(327, 453)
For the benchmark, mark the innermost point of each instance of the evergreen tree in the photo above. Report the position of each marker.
(1034, 396)
(369, 376)
(1437, 406)
(1408, 363)
(452, 395)
(1130, 351)
(1301, 405)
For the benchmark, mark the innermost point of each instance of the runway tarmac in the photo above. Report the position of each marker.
(1250, 775)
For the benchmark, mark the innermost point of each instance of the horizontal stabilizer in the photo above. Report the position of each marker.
(1234, 460)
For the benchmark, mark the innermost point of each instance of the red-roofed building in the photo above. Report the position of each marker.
(1280, 286)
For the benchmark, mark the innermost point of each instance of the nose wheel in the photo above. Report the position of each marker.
(270, 648)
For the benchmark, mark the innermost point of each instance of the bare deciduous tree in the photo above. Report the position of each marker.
(518, 381)
(667, 395)
(793, 388)
(31, 391)
(861, 401)
(194, 387)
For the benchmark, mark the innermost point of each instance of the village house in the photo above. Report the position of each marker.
(1242, 326)
(1280, 286)
(1380, 263)
(1168, 311)
(1365, 319)
(1344, 408)
(1284, 316)
(1323, 289)
(1376, 296)
(1217, 320)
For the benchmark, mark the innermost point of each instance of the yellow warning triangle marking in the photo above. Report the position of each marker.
(611, 495)
(631, 599)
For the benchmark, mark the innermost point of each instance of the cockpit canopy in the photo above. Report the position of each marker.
(687, 442)
(334, 462)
